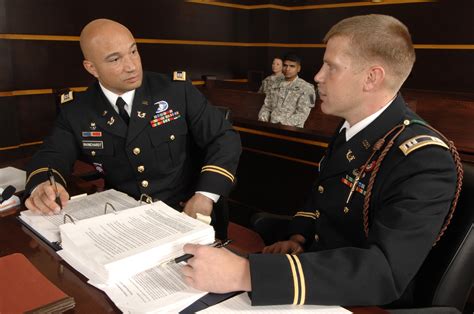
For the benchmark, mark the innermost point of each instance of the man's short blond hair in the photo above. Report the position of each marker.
(379, 38)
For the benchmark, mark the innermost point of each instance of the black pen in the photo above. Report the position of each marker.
(52, 182)
(185, 257)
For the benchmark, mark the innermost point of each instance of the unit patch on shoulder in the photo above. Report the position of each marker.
(420, 141)
(67, 97)
(179, 76)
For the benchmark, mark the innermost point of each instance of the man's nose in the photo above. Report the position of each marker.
(318, 76)
(129, 64)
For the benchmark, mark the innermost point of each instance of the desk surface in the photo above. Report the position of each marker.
(15, 238)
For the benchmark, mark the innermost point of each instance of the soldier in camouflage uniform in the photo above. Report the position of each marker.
(290, 99)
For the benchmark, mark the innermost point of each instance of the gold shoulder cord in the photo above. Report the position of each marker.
(397, 130)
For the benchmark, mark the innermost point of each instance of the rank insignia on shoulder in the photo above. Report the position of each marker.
(419, 141)
(179, 76)
(67, 97)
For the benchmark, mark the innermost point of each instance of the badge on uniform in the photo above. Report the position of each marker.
(179, 76)
(93, 144)
(111, 121)
(162, 106)
(349, 181)
(164, 117)
(91, 134)
(366, 144)
(350, 156)
(67, 97)
(92, 126)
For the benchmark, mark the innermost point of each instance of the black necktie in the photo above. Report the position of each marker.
(339, 140)
(122, 112)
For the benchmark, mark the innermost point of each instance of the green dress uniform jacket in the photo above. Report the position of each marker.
(172, 126)
(410, 199)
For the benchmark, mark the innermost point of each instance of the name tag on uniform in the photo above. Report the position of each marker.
(93, 144)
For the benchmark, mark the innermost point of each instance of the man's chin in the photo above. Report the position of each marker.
(135, 84)
(324, 107)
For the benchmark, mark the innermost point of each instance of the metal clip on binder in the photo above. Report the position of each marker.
(144, 198)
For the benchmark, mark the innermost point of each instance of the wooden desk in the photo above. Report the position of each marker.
(16, 238)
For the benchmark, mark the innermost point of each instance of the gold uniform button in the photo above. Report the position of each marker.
(317, 213)
(141, 169)
(93, 153)
(406, 122)
(136, 151)
(144, 183)
(172, 137)
(316, 237)
(346, 210)
(320, 189)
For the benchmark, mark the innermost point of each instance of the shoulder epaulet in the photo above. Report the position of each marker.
(67, 97)
(179, 76)
(419, 141)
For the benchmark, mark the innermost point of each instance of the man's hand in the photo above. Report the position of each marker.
(216, 270)
(42, 200)
(198, 204)
(292, 246)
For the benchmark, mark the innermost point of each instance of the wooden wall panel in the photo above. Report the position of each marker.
(6, 69)
(224, 62)
(9, 128)
(37, 114)
(28, 64)
(47, 64)
(3, 17)
(443, 70)
(165, 19)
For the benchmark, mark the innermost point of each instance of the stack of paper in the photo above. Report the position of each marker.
(121, 252)
(119, 245)
(78, 208)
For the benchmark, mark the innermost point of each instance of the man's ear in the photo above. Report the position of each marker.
(89, 66)
(375, 78)
(298, 68)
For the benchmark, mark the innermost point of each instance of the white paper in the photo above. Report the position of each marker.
(157, 290)
(13, 176)
(117, 246)
(241, 304)
(78, 208)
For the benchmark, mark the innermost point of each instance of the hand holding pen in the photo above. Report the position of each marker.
(186, 257)
(48, 197)
(215, 270)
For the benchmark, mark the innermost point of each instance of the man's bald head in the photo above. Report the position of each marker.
(111, 55)
(96, 31)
